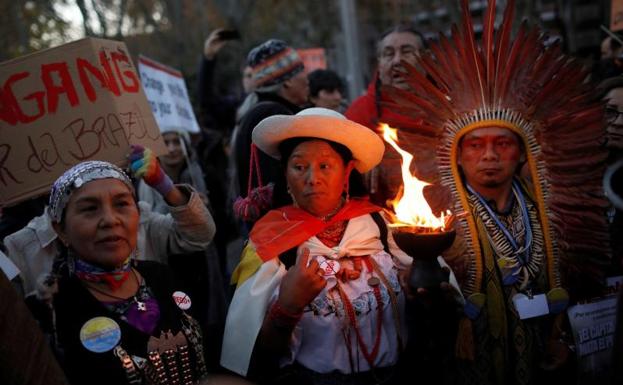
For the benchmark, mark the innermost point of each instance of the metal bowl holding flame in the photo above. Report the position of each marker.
(416, 230)
(424, 247)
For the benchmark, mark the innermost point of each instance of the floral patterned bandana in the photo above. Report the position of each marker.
(77, 176)
(92, 273)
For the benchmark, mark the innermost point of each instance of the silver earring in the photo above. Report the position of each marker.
(294, 203)
(135, 254)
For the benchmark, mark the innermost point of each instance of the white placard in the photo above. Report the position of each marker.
(168, 96)
(593, 327)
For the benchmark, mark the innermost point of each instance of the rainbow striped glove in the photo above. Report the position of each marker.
(144, 164)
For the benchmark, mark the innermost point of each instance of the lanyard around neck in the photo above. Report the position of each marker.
(524, 256)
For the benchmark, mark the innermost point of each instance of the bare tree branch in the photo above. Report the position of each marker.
(86, 19)
(122, 10)
(97, 7)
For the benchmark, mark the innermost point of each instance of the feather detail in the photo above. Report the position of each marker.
(511, 63)
(471, 51)
(417, 81)
(502, 48)
(487, 49)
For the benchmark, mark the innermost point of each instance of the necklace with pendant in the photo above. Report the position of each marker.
(140, 305)
(325, 218)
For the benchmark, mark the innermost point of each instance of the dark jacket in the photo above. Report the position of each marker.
(268, 105)
(217, 112)
(25, 356)
(74, 306)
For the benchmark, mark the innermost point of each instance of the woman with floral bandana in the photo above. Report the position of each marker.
(118, 320)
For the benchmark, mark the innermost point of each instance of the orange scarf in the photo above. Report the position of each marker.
(287, 227)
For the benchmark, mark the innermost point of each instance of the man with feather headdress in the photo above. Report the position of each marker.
(518, 160)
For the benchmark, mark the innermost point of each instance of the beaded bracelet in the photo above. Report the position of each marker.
(283, 319)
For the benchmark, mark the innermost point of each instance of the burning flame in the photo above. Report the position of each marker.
(410, 206)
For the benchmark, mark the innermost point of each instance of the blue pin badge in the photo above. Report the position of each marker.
(100, 334)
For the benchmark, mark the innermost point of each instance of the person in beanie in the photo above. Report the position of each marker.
(282, 89)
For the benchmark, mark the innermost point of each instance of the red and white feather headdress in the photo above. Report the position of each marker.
(541, 95)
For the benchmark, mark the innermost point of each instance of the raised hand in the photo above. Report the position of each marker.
(213, 44)
(144, 164)
(301, 284)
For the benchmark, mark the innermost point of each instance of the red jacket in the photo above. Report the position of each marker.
(365, 111)
(386, 179)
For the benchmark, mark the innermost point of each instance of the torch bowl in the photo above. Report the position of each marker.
(421, 245)
(424, 248)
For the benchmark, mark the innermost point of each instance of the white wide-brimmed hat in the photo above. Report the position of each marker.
(322, 123)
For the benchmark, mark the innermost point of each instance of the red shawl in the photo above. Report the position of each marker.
(287, 227)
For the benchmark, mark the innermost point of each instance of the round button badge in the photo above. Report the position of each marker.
(100, 334)
(329, 267)
(182, 300)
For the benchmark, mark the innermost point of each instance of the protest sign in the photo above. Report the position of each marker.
(167, 94)
(59, 107)
(313, 58)
(593, 327)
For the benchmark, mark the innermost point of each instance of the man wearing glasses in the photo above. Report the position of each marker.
(401, 42)
(398, 44)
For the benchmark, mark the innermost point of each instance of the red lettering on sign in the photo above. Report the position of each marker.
(121, 57)
(116, 127)
(9, 98)
(51, 156)
(34, 161)
(133, 120)
(83, 67)
(53, 91)
(113, 68)
(7, 113)
(112, 82)
(87, 139)
(45, 154)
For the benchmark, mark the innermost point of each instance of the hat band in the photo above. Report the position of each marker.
(489, 123)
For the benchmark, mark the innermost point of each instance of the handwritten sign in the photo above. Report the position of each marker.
(59, 107)
(314, 59)
(593, 327)
(616, 15)
(168, 96)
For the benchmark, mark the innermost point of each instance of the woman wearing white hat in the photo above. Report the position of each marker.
(317, 286)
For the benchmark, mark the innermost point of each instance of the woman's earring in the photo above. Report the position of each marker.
(346, 190)
(292, 197)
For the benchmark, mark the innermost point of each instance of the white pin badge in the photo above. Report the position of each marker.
(329, 267)
(182, 300)
(100, 334)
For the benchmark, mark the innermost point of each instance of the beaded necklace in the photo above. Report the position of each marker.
(370, 355)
